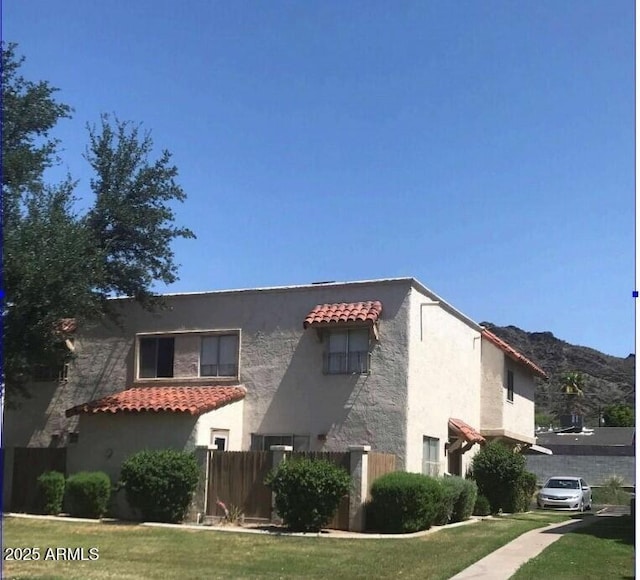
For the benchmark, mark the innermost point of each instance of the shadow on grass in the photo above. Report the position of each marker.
(618, 528)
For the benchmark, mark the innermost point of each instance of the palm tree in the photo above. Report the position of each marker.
(572, 389)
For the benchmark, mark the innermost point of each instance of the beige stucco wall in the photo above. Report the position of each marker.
(493, 393)
(444, 377)
(517, 417)
(229, 418)
(280, 364)
(102, 363)
(106, 440)
(425, 368)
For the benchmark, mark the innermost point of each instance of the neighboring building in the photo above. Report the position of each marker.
(385, 363)
(597, 454)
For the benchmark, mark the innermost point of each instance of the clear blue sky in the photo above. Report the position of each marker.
(485, 148)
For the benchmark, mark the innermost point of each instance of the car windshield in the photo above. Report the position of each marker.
(563, 484)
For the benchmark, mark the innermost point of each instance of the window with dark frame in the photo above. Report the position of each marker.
(510, 385)
(264, 442)
(50, 373)
(156, 357)
(219, 355)
(347, 352)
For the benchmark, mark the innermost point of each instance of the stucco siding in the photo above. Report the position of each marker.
(101, 366)
(280, 363)
(493, 393)
(444, 378)
(228, 418)
(519, 416)
(106, 440)
(288, 392)
(498, 413)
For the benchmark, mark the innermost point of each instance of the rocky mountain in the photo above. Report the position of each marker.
(608, 379)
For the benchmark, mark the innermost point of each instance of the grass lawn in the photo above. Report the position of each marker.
(603, 549)
(143, 552)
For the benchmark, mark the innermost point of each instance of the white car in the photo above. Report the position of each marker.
(565, 492)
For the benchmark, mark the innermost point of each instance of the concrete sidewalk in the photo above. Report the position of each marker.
(505, 561)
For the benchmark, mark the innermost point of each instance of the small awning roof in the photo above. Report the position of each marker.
(465, 431)
(344, 312)
(191, 400)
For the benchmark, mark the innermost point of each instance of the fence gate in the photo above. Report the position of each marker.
(343, 459)
(28, 464)
(237, 479)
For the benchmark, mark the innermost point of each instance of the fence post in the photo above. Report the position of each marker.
(279, 454)
(199, 502)
(359, 460)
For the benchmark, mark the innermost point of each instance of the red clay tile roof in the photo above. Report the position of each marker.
(324, 314)
(513, 353)
(465, 431)
(192, 400)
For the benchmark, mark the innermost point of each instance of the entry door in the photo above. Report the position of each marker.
(455, 462)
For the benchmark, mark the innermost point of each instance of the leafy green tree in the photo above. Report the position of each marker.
(131, 222)
(619, 416)
(29, 113)
(56, 263)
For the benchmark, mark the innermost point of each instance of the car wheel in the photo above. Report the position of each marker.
(581, 508)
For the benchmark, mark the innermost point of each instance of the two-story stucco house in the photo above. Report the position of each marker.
(386, 363)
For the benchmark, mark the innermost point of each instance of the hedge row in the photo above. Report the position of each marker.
(408, 502)
(87, 493)
(158, 484)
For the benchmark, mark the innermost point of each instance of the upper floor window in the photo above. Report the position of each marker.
(347, 351)
(510, 385)
(219, 356)
(156, 357)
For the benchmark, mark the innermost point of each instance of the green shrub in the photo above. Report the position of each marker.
(463, 506)
(404, 502)
(308, 492)
(50, 492)
(612, 492)
(482, 506)
(451, 488)
(498, 471)
(88, 494)
(160, 484)
(527, 485)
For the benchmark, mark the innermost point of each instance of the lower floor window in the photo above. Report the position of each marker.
(430, 456)
(264, 442)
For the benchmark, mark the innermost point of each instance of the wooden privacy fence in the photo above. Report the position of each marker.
(236, 478)
(28, 464)
(379, 464)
